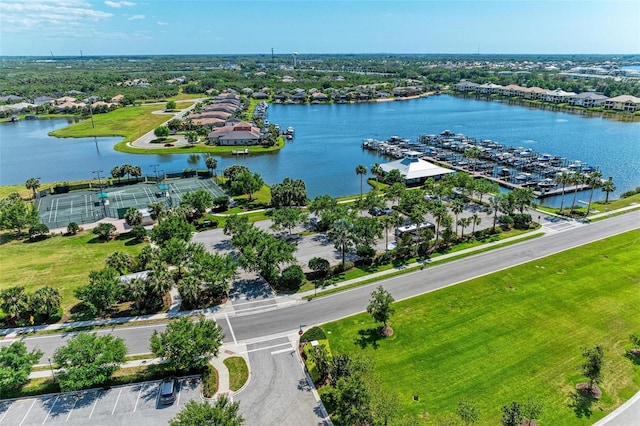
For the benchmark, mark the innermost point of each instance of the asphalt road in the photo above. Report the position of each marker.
(263, 323)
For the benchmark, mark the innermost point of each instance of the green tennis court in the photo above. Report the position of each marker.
(57, 211)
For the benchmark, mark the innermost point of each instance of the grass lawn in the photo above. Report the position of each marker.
(61, 262)
(238, 372)
(130, 122)
(511, 335)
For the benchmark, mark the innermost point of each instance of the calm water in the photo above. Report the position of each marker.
(327, 146)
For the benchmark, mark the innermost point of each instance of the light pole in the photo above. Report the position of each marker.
(51, 367)
(99, 181)
(155, 171)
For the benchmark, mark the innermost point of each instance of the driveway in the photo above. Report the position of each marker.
(278, 392)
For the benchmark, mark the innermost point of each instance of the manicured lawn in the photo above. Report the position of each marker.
(238, 372)
(130, 122)
(511, 335)
(61, 262)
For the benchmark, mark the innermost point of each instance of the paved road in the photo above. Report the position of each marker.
(256, 323)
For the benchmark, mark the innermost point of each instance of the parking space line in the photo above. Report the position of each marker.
(231, 329)
(76, 397)
(87, 200)
(5, 413)
(94, 406)
(180, 383)
(138, 399)
(51, 409)
(116, 404)
(55, 216)
(71, 208)
(28, 411)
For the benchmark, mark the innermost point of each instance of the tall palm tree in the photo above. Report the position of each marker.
(212, 165)
(594, 180)
(473, 154)
(361, 170)
(439, 213)
(457, 207)
(342, 235)
(494, 207)
(577, 179)
(463, 222)
(117, 172)
(563, 179)
(14, 301)
(33, 184)
(376, 170)
(475, 220)
(608, 186)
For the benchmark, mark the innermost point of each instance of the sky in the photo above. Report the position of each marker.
(135, 27)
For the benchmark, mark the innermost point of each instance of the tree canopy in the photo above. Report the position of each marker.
(88, 360)
(186, 344)
(222, 412)
(15, 364)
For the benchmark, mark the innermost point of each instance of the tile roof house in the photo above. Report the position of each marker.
(557, 96)
(465, 86)
(623, 103)
(588, 100)
(235, 133)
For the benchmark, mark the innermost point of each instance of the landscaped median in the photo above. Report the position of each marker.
(510, 336)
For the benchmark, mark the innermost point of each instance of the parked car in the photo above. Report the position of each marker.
(168, 389)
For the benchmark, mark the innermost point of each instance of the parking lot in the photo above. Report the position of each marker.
(125, 405)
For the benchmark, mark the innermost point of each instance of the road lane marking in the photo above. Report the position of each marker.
(5, 413)
(266, 347)
(50, 409)
(231, 329)
(281, 351)
(28, 411)
(116, 404)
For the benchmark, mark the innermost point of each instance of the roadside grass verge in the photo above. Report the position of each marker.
(511, 335)
(62, 262)
(238, 372)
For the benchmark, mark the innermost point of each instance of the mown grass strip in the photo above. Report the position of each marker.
(238, 372)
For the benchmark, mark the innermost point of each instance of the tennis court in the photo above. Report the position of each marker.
(57, 211)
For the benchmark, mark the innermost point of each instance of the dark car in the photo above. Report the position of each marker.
(168, 391)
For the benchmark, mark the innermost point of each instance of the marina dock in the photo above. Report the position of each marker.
(510, 167)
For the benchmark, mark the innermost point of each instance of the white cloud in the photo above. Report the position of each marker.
(162, 23)
(29, 16)
(136, 17)
(118, 4)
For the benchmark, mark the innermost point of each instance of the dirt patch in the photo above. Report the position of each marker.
(635, 352)
(386, 331)
(594, 392)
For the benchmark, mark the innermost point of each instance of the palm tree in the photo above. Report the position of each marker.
(577, 179)
(457, 207)
(342, 235)
(494, 207)
(33, 184)
(212, 165)
(608, 186)
(46, 300)
(14, 301)
(136, 172)
(594, 180)
(439, 213)
(473, 153)
(463, 222)
(361, 170)
(475, 220)
(563, 179)
(117, 172)
(376, 170)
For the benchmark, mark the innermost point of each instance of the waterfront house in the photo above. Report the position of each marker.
(557, 96)
(414, 169)
(489, 88)
(236, 133)
(465, 86)
(588, 100)
(623, 103)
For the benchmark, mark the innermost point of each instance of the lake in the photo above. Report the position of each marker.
(327, 144)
